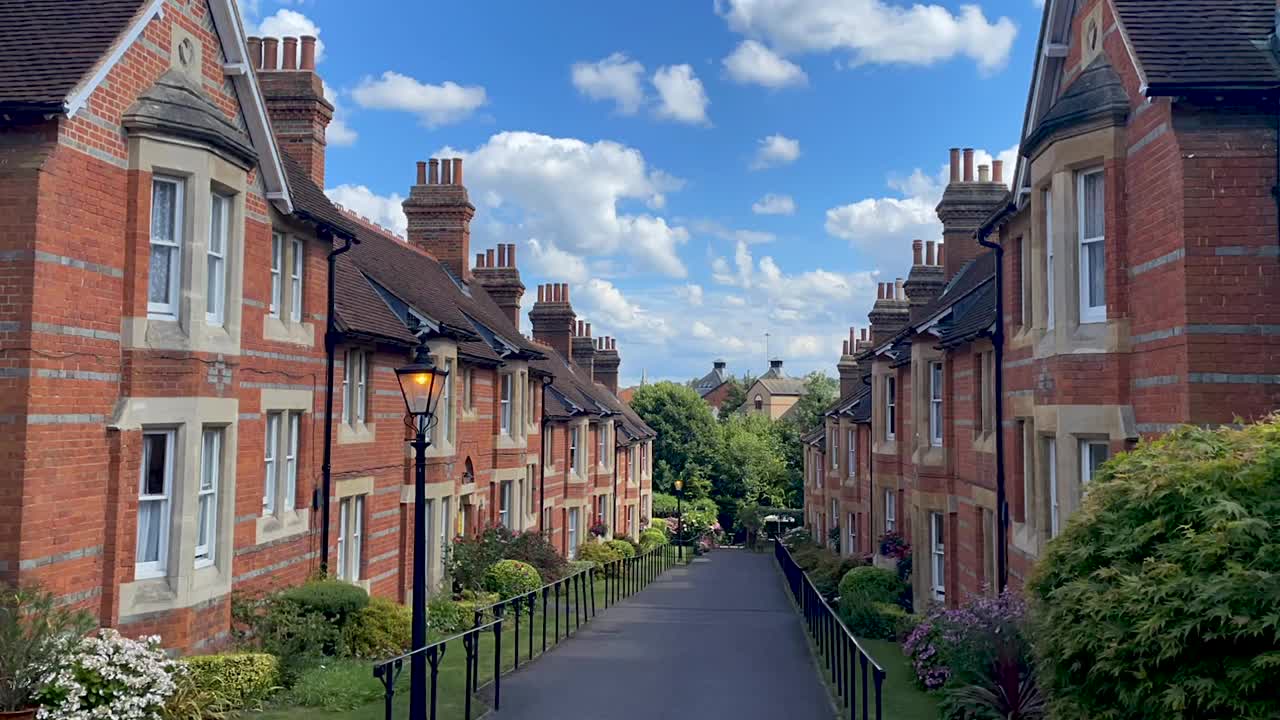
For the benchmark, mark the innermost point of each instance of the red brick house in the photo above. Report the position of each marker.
(1141, 285)
(163, 258)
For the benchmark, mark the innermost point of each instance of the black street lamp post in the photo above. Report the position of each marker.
(680, 518)
(422, 383)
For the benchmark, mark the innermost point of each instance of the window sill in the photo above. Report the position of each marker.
(287, 524)
(190, 587)
(359, 433)
(294, 333)
(507, 442)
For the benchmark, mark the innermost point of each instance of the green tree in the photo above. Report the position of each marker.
(736, 395)
(1161, 597)
(686, 434)
(819, 393)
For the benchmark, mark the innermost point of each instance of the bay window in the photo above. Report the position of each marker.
(1090, 194)
(164, 281)
(1092, 454)
(155, 493)
(504, 504)
(207, 495)
(280, 480)
(852, 521)
(219, 233)
(1051, 472)
(890, 406)
(277, 266)
(573, 533)
(573, 448)
(935, 404)
(295, 282)
(601, 434)
(1047, 195)
(851, 443)
(937, 557)
(271, 464)
(835, 448)
(505, 401)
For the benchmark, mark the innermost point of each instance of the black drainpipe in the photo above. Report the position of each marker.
(542, 462)
(871, 476)
(330, 346)
(997, 340)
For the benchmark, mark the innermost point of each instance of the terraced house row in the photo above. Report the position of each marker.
(166, 253)
(1129, 281)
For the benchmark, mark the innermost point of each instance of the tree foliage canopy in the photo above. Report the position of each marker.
(1161, 598)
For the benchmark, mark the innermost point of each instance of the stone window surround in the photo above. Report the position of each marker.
(923, 452)
(184, 584)
(285, 522)
(519, 373)
(443, 444)
(349, 488)
(984, 440)
(580, 472)
(202, 171)
(1056, 170)
(882, 442)
(281, 328)
(350, 433)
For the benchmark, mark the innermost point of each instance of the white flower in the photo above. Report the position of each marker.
(131, 679)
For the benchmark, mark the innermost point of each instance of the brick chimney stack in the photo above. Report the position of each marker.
(607, 362)
(552, 318)
(583, 348)
(440, 213)
(926, 280)
(965, 204)
(295, 99)
(500, 277)
(890, 313)
(847, 368)
(862, 353)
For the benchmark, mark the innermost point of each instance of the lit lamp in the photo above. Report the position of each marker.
(422, 384)
(680, 518)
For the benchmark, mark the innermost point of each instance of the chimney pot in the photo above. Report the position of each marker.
(997, 171)
(928, 253)
(542, 293)
(480, 262)
(864, 334)
(984, 173)
(916, 247)
(898, 293)
(290, 53)
(488, 258)
(255, 52)
(457, 171)
(968, 165)
(511, 255)
(433, 176)
(308, 61)
(939, 256)
(422, 173)
(445, 167)
(565, 286)
(502, 255)
(588, 326)
(955, 165)
(269, 47)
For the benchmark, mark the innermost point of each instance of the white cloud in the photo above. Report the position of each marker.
(751, 63)
(715, 229)
(775, 150)
(615, 78)
(874, 31)
(567, 193)
(774, 204)
(881, 227)
(612, 313)
(440, 104)
(692, 293)
(285, 23)
(338, 133)
(553, 263)
(681, 96)
(384, 210)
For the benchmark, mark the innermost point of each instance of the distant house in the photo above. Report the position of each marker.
(773, 393)
(714, 386)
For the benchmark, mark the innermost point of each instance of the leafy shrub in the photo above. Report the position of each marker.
(598, 553)
(34, 632)
(577, 566)
(335, 600)
(509, 578)
(189, 702)
(233, 681)
(471, 557)
(336, 685)
(876, 620)
(534, 548)
(797, 537)
(108, 675)
(925, 647)
(473, 603)
(871, 584)
(1161, 598)
(446, 616)
(665, 505)
(829, 570)
(382, 629)
(651, 538)
(894, 545)
(291, 632)
(623, 548)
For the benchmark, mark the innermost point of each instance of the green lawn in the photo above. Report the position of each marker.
(355, 679)
(900, 698)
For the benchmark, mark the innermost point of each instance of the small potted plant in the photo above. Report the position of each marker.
(35, 635)
(598, 530)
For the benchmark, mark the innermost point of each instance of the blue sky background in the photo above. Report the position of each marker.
(622, 147)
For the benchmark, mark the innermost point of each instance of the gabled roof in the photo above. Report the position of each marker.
(712, 380)
(1214, 45)
(1096, 97)
(856, 404)
(962, 297)
(311, 204)
(782, 385)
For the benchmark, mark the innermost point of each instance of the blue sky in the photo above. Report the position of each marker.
(702, 172)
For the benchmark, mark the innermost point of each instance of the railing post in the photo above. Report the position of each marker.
(545, 593)
(608, 598)
(879, 682)
(497, 662)
(515, 647)
(864, 686)
(591, 580)
(533, 607)
(557, 609)
(467, 645)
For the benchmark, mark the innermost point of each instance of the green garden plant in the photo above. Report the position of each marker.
(334, 599)
(234, 681)
(870, 603)
(509, 578)
(1161, 597)
(34, 632)
(382, 629)
(536, 549)
(598, 553)
(471, 557)
(623, 548)
(334, 685)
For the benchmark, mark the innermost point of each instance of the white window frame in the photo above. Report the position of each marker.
(294, 428)
(890, 510)
(504, 504)
(444, 525)
(1090, 313)
(169, 310)
(890, 406)
(158, 567)
(937, 557)
(935, 403)
(504, 400)
(600, 438)
(277, 269)
(210, 480)
(573, 533)
(1086, 459)
(1047, 194)
(573, 448)
(851, 441)
(355, 381)
(1051, 471)
(271, 463)
(852, 531)
(444, 428)
(350, 537)
(835, 448)
(216, 265)
(295, 280)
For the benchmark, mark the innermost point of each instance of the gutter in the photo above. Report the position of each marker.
(997, 340)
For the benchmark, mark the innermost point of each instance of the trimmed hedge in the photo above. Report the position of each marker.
(335, 599)
(651, 538)
(509, 578)
(446, 616)
(871, 584)
(234, 681)
(622, 547)
(382, 629)
(869, 599)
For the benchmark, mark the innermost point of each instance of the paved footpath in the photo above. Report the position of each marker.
(716, 639)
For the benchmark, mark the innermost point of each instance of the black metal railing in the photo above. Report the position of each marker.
(840, 652)
(571, 599)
